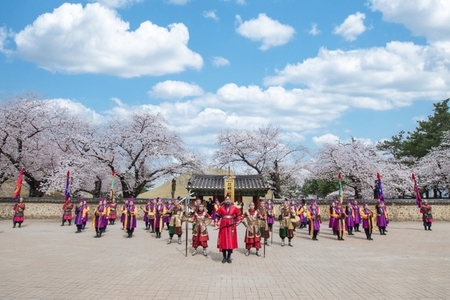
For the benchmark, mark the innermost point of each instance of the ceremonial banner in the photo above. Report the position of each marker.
(417, 191)
(18, 187)
(67, 189)
(229, 186)
(113, 186)
(341, 190)
(380, 189)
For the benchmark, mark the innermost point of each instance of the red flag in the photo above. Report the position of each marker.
(18, 188)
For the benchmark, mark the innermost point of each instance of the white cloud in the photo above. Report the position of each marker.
(175, 90)
(314, 30)
(117, 3)
(177, 2)
(78, 109)
(429, 18)
(211, 14)
(219, 61)
(241, 2)
(325, 139)
(3, 36)
(94, 39)
(374, 78)
(266, 30)
(352, 27)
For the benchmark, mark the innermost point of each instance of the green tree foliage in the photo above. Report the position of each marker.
(427, 135)
(318, 187)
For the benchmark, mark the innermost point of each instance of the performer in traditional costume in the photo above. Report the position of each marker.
(229, 217)
(331, 215)
(86, 216)
(99, 221)
(80, 215)
(427, 217)
(314, 220)
(123, 210)
(382, 217)
(215, 209)
(175, 222)
(350, 218)
(263, 226)
(367, 220)
(339, 223)
(167, 216)
(270, 214)
(146, 209)
(67, 212)
(286, 216)
(112, 211)
(19, 215)
(302, 213)
(200, 237)
(159, 211)
(130, 218)
(356, 214)
(252, 233)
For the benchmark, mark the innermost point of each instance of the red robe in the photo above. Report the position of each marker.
(18, 212)
(67, 210)
(227, 236)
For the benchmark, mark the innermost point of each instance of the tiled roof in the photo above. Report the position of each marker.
(216, 182)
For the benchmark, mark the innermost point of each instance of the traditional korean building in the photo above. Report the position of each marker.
(215, 186)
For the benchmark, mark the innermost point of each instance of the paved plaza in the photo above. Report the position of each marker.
(43, 260)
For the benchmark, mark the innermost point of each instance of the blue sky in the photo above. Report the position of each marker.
(321, 70)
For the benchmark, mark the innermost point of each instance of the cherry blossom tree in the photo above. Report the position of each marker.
(433, 169)
(261, 151)
(29, 134)
(359, 162)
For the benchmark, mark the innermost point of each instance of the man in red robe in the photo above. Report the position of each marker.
(67, 212)
(229, 217)
(18, 209)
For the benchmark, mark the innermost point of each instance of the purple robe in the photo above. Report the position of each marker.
(167, 217)
(381, 216)
(130, 218)
(270, 219)
(316, 222)
(349, 221)
(357, 219)
(79, 215)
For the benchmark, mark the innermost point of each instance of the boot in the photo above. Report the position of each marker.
(63, 221)
(20, 224)
(169, 241)
(247, 253)
(429, 227)
(195, 252)
(179, 240)
(425, 226)
(257, 252)
(70, 222)
(204, 252)
(290, 244)
(282, 242)
(14, 224)
(350, 231)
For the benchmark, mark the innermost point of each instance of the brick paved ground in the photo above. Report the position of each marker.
(42, 260)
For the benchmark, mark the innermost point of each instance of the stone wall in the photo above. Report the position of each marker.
(399, 209)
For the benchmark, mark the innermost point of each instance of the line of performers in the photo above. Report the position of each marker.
(226, 217)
